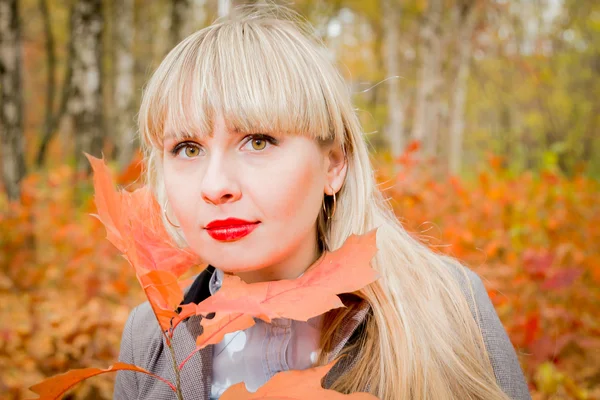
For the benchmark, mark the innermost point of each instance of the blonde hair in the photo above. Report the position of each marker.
(263, 70)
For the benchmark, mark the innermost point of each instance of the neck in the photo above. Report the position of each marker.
(290, 268)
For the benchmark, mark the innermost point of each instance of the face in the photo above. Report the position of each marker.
(248, 204)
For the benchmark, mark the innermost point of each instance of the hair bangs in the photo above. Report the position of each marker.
(260, 75)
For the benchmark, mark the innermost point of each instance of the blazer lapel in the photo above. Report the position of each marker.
(343, 334)
(196, 374)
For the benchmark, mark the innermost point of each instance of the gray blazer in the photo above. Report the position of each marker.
(142, 344)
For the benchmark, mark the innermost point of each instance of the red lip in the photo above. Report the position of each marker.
(230, 229)
(229, 222)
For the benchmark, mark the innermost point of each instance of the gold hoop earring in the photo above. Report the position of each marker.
(334, 206)
(167, 216)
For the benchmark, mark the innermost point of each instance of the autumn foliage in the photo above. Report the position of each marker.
(133, 224)
(65, 291)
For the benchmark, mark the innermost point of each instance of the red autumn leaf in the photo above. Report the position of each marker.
(293, 385)
(133, 224)
(532, 328)
(537, 264)
(413, 146)
(549, 348)
(53, 388)
(562, 279)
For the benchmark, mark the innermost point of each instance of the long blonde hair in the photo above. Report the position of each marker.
(264, 70)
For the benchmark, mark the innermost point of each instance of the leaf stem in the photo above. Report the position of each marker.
(177, 374)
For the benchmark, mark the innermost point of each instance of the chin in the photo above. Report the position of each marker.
(238, 266)
(235, 269)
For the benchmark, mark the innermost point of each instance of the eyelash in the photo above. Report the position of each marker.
(257, 136)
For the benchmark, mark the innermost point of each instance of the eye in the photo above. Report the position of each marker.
(188, 149)
(191, 151)
(258, 144)
(259, 141)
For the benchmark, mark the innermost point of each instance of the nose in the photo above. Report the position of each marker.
(219, 184)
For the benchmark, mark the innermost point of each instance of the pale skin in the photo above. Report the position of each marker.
(230, 174)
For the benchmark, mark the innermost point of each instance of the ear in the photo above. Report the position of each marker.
(337, 166)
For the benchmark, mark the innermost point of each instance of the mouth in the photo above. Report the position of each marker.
(230, 229)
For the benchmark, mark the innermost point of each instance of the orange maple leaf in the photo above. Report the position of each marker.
(133, 225)
(53, 388)
(164, 295)
(345, 270)
(293, 385)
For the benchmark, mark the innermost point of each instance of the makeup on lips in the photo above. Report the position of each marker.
(230, 229)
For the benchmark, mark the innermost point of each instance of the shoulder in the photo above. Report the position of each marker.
(471, 286)
(501, 352)
(145, 336)
(479, 301)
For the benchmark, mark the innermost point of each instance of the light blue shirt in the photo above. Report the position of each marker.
(255, 354)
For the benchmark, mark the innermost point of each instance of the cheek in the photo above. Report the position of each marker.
(295, 192)
(182, 193)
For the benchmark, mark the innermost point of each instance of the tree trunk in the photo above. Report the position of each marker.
(181, 13)
(224, 7)
(124, 99)
(11, 100)
(395, 108)
(85, 104)
(429, 78)
(465, 21)
(52, 119)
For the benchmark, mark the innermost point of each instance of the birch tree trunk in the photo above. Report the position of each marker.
(181, 13)
(85, 104)
(465, 21)
(124, 99)
(50, 79)
(11, 100)
(53, 117)
(395, 107)
(429, 78)
(224, 7)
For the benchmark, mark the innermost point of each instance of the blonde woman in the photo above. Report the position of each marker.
(258, 158)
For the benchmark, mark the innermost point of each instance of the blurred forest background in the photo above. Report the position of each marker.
(484, 121)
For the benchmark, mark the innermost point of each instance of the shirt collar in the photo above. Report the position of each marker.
(216, 281)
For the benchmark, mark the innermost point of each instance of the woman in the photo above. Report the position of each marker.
(255, 152)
